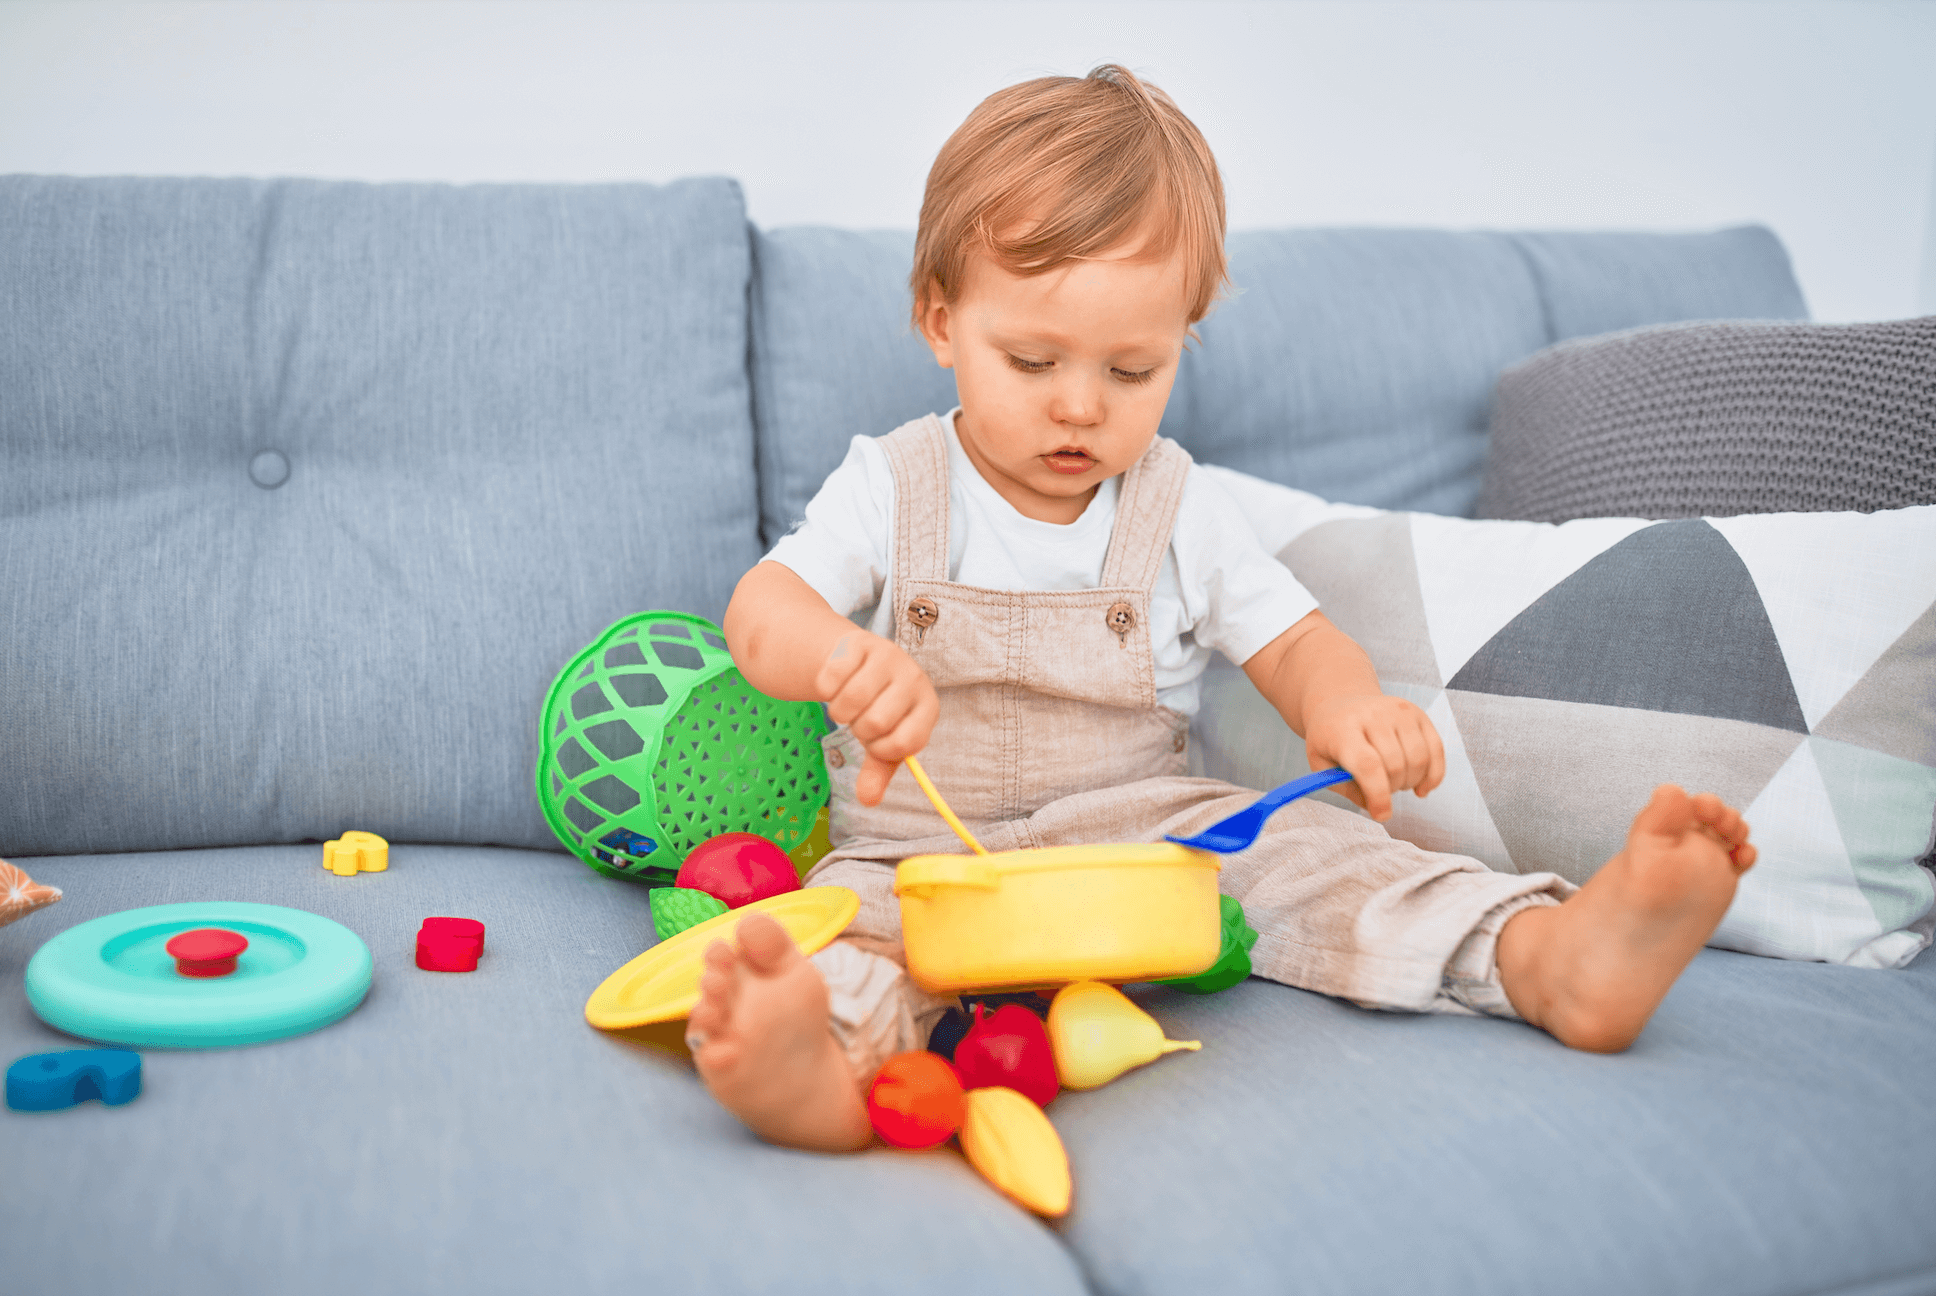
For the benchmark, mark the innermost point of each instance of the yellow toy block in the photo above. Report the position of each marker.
(356, 852)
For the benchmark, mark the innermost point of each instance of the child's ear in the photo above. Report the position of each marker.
(936, 326)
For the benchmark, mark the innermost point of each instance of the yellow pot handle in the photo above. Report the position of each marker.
(924, 875)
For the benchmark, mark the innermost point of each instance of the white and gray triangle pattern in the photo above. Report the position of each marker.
(1786, 662)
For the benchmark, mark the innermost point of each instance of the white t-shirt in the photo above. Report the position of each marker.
(1217, 589)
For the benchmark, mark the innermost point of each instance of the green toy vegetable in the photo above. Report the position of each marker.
(1233, 963)
(676, 908)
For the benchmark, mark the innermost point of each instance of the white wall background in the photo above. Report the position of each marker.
(1817, 117)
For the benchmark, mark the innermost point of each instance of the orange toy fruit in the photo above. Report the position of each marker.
(915, 1100)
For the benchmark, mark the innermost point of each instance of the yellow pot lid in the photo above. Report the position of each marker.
(925, 874)
(662, 984)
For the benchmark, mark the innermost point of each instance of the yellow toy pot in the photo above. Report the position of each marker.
(1140, 911)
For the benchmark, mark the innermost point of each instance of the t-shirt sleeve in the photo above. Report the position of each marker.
(1238, 597)
(841, 548)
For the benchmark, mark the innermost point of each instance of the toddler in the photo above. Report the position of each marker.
(1042, 580)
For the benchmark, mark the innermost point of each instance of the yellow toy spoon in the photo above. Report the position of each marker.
(941, 807)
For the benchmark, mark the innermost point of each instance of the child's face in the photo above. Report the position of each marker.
(1062, 376)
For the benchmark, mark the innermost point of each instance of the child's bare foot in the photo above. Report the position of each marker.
(1591, 971)
(762, 1044)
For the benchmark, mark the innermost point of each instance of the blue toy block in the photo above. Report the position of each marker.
(51, 1081)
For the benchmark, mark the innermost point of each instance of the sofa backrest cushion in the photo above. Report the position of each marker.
(311, 488)
(1718, 419)
(1354, 364)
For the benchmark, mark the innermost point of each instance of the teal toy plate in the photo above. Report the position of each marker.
(112, 979)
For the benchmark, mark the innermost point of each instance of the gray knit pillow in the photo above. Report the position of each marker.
(1715, 420)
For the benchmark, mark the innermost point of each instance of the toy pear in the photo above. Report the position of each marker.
(1098, 1034)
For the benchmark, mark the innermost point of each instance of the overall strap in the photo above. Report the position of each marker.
(918, 454)
(1145, 515)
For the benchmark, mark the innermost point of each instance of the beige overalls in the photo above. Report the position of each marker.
(1050, 734)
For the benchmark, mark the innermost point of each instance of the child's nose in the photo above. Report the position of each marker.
(1077, 401)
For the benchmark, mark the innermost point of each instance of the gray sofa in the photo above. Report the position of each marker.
(306, 491)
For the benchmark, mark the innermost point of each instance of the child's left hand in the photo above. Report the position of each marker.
(1387, 743)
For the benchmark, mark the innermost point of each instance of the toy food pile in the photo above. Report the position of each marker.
(1006, 1069)
(729, 871)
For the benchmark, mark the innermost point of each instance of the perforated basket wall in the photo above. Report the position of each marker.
(651, 743)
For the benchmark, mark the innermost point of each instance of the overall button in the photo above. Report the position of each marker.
(834, 759)
(922, 613)
(269, 469)
(1120, 618)
(1182, 741)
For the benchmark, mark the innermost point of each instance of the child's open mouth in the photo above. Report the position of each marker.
(1070, 461)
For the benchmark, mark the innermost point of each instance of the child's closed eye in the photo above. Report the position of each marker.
(1134, 376)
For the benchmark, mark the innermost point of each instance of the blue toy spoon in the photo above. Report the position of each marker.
(1228, 836)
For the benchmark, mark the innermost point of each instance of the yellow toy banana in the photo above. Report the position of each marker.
(1008, 1139)
(1098, 1034)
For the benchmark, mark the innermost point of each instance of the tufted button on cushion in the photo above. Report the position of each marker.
(269, 469)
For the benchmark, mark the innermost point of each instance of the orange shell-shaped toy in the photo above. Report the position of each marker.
(20, 895)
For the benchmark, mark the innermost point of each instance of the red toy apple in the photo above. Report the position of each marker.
(738, 868)
(915, 1100)
(1009, 1047)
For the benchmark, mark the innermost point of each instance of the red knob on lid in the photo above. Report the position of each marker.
(206, 951)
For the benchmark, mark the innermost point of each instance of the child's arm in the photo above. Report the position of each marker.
(1323, 685)
(788, 643)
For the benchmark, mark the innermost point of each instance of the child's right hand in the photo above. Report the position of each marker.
(874, 688)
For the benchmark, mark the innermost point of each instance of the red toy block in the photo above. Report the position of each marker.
(469, 928)
(449, 944)
(206, 951)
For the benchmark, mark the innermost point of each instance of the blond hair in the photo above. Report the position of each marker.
(1062, 169)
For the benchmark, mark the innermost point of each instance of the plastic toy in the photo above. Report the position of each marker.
(651, 743)
(356, 852)
(738, 868)
(20, 895)
(1239, 831)
(206, 951)
(662, 984)
(1098, 1034)
(1008, 1139)
(676, 908)
(1133, 911)
(915, 1101)
(53, 1081)
(1233, 964)
(449, 944)
(112, 978)
(1009, 1047)
(813, 846)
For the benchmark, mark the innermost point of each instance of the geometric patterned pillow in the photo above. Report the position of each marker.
(1786, 662)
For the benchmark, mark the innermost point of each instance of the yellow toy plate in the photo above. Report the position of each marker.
(662, 984)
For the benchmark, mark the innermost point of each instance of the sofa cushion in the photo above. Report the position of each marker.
(458, 1132)
(312, 487)
(835, 356)
(469, 1133)
(1785, 662)
(1717, 419)
(1355, 364)
(1598, 282)
(1768, 1134)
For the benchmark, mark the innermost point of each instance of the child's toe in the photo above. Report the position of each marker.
(764, 944)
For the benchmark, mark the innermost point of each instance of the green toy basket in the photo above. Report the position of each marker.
(652, 743)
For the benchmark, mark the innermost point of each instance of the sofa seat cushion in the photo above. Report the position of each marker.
(468, 1132)
(1768, 1135)
(458, 1132)
(312, 487)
